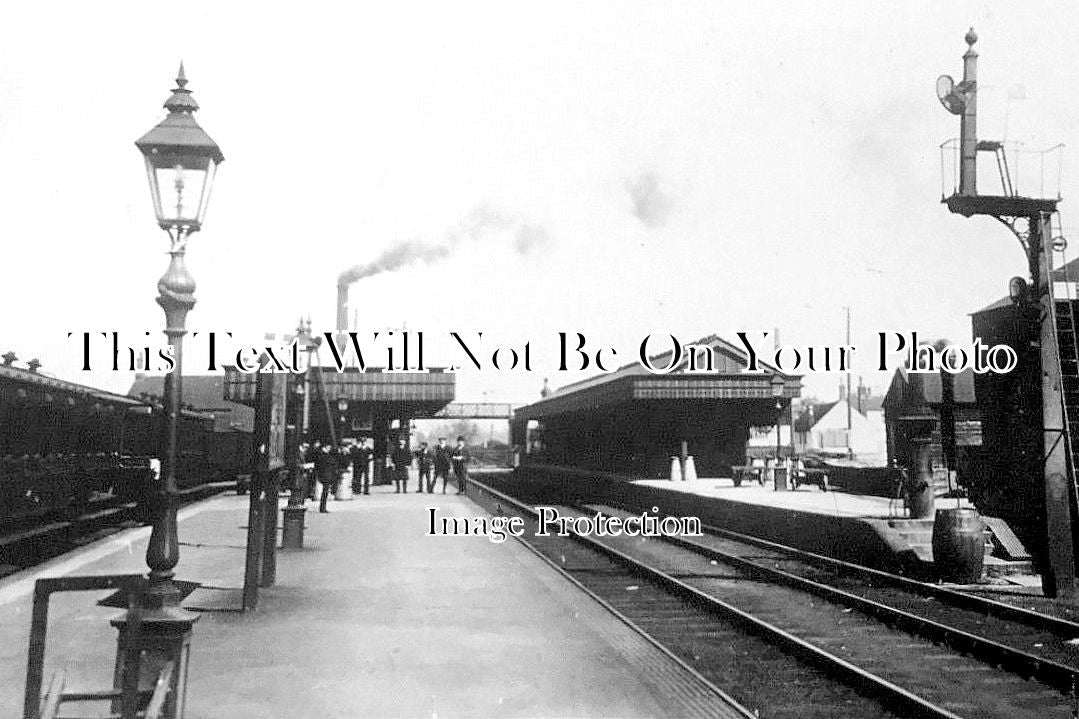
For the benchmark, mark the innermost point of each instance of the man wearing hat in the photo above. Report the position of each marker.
(423, 464)
(459, 457)
(402, 460)
(442, 463)
(361, 454)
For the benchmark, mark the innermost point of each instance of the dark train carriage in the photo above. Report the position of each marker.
(216, 432)
(231, 454)
(61, 445)
(64, 446)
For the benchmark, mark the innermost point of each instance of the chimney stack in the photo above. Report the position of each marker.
(342, 315)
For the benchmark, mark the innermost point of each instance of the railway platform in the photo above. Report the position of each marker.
(371, 618)
(910, 540)
(864, 529)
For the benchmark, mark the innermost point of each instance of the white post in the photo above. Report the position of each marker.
(691, 470)
(676, 470)
(344, 487)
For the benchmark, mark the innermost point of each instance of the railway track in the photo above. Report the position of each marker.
(1030, 643)
(781, 650)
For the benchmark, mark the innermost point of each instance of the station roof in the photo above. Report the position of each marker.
(632, 382)
(425, 392)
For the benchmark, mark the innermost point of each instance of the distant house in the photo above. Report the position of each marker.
(824, 428)
(203, 393)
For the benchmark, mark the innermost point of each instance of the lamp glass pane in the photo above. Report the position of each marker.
(181, 185)
(207, 185)
(180, 192)
(151, 176)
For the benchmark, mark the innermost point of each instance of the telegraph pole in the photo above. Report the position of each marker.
(850, 424)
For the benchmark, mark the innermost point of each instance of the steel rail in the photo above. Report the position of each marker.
(1063, 628)
(1059, 676)
(856, 676)
(731, 703)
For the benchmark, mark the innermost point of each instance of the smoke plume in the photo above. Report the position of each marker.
(404, 253)
(482, 223)
(651, 205)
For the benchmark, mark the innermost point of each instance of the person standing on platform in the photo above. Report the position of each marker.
(423, 463)
(326, 468)
(307, 452)
(442, 464)
(361, 463)
(344, 463)
(402, 460)
(460, 458)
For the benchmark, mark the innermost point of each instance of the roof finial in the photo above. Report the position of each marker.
(181, 99)
(971, 36)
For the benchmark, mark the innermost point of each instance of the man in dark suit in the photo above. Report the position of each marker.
(423, 463)
(442, 464)
(361, 461)
(326, 468)
(460, 457)
(402, 459)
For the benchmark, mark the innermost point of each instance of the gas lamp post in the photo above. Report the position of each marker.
(181, 160)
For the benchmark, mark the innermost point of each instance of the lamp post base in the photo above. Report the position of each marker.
(161, 636)
(292, 533)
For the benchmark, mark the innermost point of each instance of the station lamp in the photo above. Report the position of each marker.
(778, 385)
(181, 161)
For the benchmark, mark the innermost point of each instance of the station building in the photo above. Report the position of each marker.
(357, 404)
(632, 421)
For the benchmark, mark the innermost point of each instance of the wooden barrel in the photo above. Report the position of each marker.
(959, 545)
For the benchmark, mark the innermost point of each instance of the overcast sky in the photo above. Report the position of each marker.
(610, 168)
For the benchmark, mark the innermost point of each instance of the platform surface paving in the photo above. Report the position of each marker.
(807, 498)
(371, 619)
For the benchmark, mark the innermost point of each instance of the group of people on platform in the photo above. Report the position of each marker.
(441, 459)
(331, 461)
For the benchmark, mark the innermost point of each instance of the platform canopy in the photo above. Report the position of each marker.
(396, 394)
(633, 383)
(631, 420)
